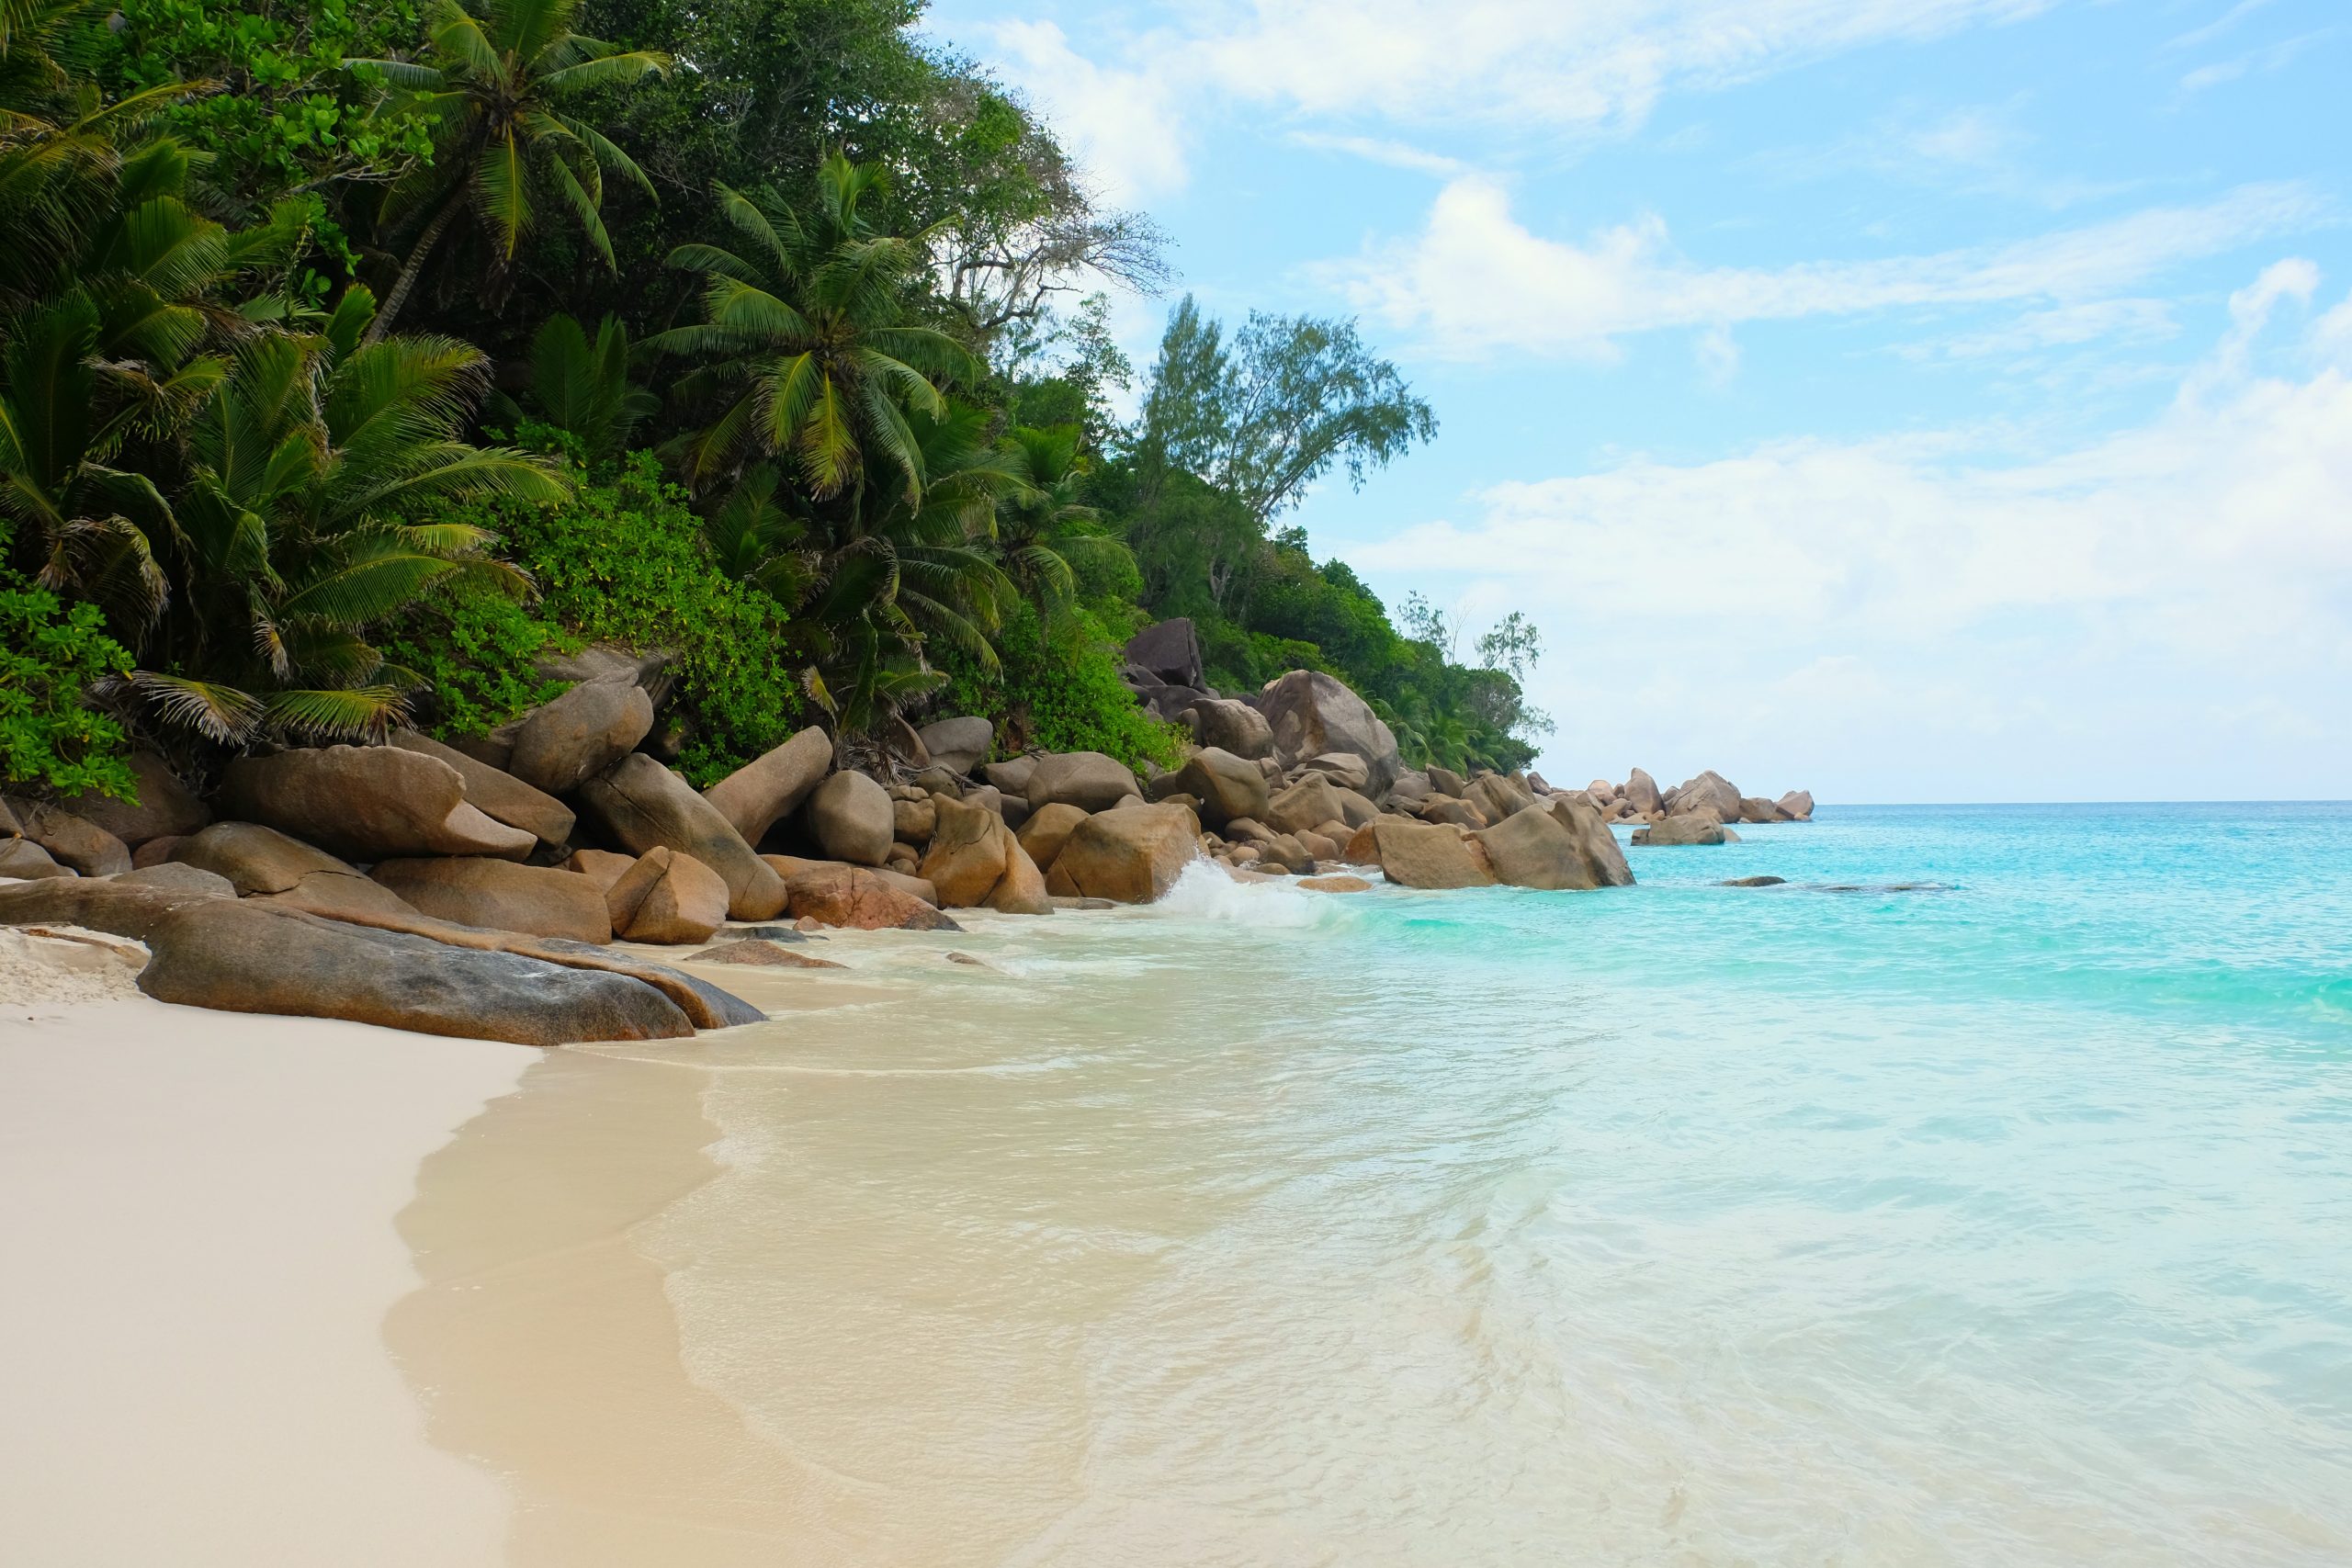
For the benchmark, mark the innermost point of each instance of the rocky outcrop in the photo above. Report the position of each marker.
(1088, 780)
(72, 840)
(642, 805)
(666, 898)
(262, 862)
(1798, 804)
(496, 794)
(1709, 791)
(1641, 793)
(849, 816)
(959, 745)
(236, 956)
(1046, 831)
(1686, 827)
(166, 807)
(502, 896)
(1311, 713)
(1230, 726)
(1497, 798)
(561, 744)
(1427, 855)
(1130, 856)
(1597, 847)
(1170, 651)
(1308, 804)
(859, 899)
(111, 905)
(975, 859)
(1531, 849)
(763, 792)
(366, 803)
(1226, 785)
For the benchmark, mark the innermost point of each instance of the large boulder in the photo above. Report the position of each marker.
(1311, 713)
(1447, 782)
(1427, 855)
(502, 896)
(1226, 785)
(1170, 651)
(561, 744)
(1344, 768)
(1047, 829)
(1088, 780)
(1307, 804)
(1798, 804)
(262, 862)
(1130, 856)
(667, 897)
(643, 806)
(1231, 725)
(24, 860)
(975, 859)
(496, 794)
(1641, 793)
(849, 816)
(1683, 828)
(1754, 808)
(165, 806)
(1532, 849)
(73, 841)
(860, 900)
(366, 803)
(763, 792)
(1010, 777)
(238, 956)
(959, 745)
(1497, 798)
(1604, 860)
(110, 904)
(912, 822)
(1708, 792)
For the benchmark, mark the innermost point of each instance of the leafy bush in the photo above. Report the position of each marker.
(50, 654)
(623, 562)
(475, 647)
(1060, 691)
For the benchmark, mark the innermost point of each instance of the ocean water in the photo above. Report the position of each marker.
(1983, 1196)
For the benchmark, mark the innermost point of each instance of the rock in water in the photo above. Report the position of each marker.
(1132, 856)
(668, 897)
(368, 803)
(1532, 849)
(1335, 884)
(644, 806)
(1798, 804)
(561, 744)
(502, 896)
(762, 952)
(498, 794)
(1428, 854)
(1754, 882)
(850, 817)
(237, 956)
(1684, 827)
(1641, 793)
(763, 793)
(959, 745)
(1597, 847)
(1088, 780)
(1311, 713)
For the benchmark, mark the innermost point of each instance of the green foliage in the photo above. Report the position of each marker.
(623, 562)
(50, 654)
(1058, 688)
(474, 647)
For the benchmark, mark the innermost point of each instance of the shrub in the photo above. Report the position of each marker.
(50, 653)
(475, 647)
(1061, 691)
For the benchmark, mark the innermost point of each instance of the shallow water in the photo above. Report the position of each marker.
(2003, 1220)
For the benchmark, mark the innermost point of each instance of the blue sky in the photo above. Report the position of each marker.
(1913, 400)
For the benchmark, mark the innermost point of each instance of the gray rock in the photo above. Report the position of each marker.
(1311, 713)
(561, 744)
(177, 877)
(72, 840)
(959, 745)
(642, 805)
(367, 803)
(1231, 725)
(1012, 776)
(113, 904)
(1170, 651)
(1226, 787)
(1447, 782)
(1088, 780)
(763, 793)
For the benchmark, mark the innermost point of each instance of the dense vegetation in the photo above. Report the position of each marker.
(357, 355)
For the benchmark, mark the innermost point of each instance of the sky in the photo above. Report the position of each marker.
(1905, 399)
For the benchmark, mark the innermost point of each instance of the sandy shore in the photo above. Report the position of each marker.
(196, 1214)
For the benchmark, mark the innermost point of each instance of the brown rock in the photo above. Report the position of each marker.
(1299, 808)
(1312, 714)
(763, 792)
(1446, 781)
(1132, 856)
(472, 891)
(1686, 827)
(849, 816)
(914, 821)
(1230, 726)
(1641, 794)
(1021, 889)
(1011, 777)
(601, 867)
(155, 851)
(1088, 780)
(966, 858)
(1046, 831)
(860, 900)
(1798, 804)
(765, 953)
(109, 904)
(1427, 855)
(1226, 785)
(24, 859)
(1497, 798)
(1318, 846)
(561, 744)
(1452, 812)
(642, 805)
(258, 860)
(1339, 883)
(667, 897)
(959, 745)
(72, 840)
(367, 802)
(165, 806)
(1604, 861)
(497, 794)
(1532, 849)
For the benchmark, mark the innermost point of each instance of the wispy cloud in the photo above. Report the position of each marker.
(1476, 281)
(2256, 62)
(1375, 149)
(2195, 37)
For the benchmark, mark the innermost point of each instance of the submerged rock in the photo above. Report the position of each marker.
(764, 952)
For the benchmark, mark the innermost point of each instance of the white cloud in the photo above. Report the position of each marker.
(2127, 320)
(1578, 66)
(1476, 280)
(1377, 150)
(2170, 605)
(2255, 62)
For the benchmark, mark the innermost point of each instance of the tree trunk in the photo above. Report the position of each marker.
(413, 267)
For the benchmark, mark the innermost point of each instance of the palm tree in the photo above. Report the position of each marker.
(1042, 532)
(583, 389)
(805, 341)
(502, 138)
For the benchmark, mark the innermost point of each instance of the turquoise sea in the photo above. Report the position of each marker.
(1982, 1196)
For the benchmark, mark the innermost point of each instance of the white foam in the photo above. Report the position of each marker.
(1204, 892)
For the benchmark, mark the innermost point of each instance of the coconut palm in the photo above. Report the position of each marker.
(583, 388)
(504, 141)
(1044, 533)
(806, 346)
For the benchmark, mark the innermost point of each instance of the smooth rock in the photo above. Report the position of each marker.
(1641, 793)
(502, 896)
(561, 744)
(1312, 800)
(1169, 651)
(112, 905)
(763, 792)
(1133, 856)
(496, 794)
(1231, 725)
(366, 803)
(1446, 781)
(667, 897)
(72, 840)
(1427, 855)
(1497, 798)
(1798, 804)
(1339, 883)
(641, 805)
(1011, 777)
(23, 859)
(1709, 791)
(1603, 857)
(762, 952)
(1754, 882)
(860, 900)
(180, 878)
(850, 817)
(1311, 713)
(914, 821)
(1344, 769)
(1088, 780)
(165, 806)
(601, 867)
(1047, 829)
(1226, 785)
(959, 745)
(1532, 849)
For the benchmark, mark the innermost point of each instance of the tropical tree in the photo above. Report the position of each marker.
(1045, 534)
(806, 343)
(583, 389)
(504, 140)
